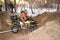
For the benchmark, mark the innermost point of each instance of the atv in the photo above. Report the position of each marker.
(19, 25)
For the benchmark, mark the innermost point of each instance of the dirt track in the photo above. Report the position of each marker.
(5, 25)
(12, 36)
(49, 31)
(43, 18)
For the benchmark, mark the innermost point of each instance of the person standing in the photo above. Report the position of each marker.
(1, 4)
(11, 7)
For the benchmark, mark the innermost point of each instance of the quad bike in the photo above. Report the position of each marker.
(28, 24)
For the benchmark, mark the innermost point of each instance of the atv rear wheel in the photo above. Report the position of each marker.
(32, 28)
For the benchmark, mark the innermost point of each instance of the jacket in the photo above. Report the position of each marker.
(1, 3)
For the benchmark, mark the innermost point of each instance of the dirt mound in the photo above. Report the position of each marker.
(4, 20)
(49, 31)
(4, 24)
(47, 16)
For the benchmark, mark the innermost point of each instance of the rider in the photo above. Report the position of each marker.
(24, 15)
(11, 7)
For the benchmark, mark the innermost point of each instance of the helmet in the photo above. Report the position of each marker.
(25, 11)
(22, 11)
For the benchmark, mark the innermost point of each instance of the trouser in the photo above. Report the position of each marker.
(0, 7)
(11, 10)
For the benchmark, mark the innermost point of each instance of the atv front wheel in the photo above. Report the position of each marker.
(15, 29)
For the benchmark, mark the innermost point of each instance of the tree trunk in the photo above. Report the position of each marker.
(5, 4)
(58, 7)
(15, 5)
(32, 10)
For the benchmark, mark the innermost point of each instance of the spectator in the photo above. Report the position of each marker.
(11, 7)
(1, 4)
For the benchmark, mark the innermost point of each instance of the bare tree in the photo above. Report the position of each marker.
(15, 5)
(36, 4)
(31, 2)
(55, 1)
(5, 4)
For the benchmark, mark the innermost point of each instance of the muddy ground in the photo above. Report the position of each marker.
(5, 24)
(41, 20)
(49, 31)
